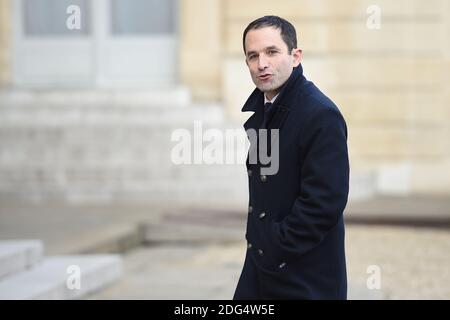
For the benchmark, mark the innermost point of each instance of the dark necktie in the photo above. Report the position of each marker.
(268, 112)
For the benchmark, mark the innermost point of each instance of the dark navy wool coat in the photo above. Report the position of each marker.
(295, 225)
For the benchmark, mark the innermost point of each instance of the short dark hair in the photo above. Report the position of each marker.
(288, 33)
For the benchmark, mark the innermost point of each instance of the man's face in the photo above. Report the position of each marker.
(268, 59)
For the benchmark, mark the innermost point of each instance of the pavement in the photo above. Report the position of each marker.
(412, 263)
(192, 253)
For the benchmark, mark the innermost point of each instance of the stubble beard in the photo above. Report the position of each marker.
(267, 86)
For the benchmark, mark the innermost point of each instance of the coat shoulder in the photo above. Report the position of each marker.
(317, 108)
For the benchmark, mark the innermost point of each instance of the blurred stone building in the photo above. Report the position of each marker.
(86, 114)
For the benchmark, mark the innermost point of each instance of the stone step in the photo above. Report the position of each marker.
(170, 96)
(173, 192)
(19, 255)
(91, 152)
(192, 234)
(208, 224)
(70, 117)
(193, 184)
(124, 135)
(146, 171)
(57, 278)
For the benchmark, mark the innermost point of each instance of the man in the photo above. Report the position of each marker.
(295, 226)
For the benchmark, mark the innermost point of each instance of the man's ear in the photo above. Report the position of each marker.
(297, 56)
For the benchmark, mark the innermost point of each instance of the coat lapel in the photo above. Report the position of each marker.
(254, 103)
(279, 118)
(283, 105)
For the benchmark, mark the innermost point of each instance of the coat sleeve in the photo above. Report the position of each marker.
(324, 187)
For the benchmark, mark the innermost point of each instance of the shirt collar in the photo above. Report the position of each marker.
(256, 98)
(271, 101)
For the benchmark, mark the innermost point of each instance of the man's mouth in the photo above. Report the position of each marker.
(264, 77)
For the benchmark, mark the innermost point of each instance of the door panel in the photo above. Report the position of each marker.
(120, 43)
(144, 17)
(138, 45)
(46, 52)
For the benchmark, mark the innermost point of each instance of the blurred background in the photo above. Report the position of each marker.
(91, 92)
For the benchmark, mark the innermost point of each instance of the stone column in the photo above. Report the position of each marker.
(200, 41)
(5, 43)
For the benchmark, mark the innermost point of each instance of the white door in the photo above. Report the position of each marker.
(137, 44)
(119, 43)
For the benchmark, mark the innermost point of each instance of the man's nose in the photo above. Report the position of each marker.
(262, 62)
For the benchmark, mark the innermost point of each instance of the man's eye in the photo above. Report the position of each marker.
(251, 57)
(272, 52)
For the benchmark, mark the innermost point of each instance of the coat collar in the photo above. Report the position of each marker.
(256, 99)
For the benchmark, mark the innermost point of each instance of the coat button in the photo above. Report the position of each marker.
(282, 265)
(263, 178)
(249, 245)
(260, 252)
(262, 215)
(249, 172)
(250, 209)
